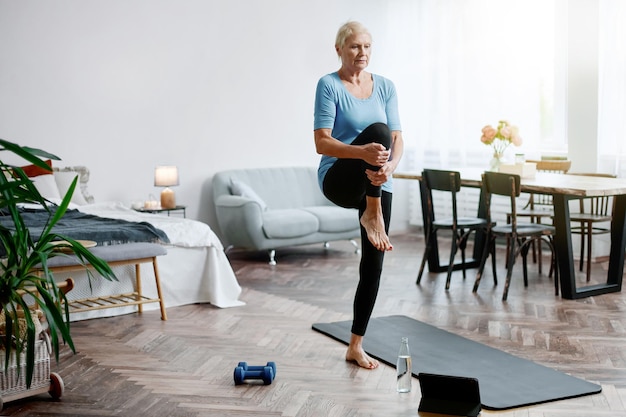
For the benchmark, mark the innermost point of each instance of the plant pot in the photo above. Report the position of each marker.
(13, 381)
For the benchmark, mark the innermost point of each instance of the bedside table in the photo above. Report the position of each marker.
(177, 209)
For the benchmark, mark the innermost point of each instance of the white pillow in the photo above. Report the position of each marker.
(63, 181)
(47, 186)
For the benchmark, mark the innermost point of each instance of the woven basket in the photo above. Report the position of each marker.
(13, 380)
(12, 383)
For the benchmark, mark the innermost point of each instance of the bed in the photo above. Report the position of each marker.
(194, 270)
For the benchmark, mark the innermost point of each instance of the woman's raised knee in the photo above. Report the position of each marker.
(380, 133)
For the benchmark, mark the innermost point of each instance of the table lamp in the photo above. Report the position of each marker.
(166, 176)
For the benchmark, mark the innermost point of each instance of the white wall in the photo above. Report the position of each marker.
(124, 85)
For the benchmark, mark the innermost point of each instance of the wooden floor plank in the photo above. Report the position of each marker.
(138, 365)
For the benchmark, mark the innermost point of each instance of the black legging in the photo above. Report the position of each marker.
(346, 185)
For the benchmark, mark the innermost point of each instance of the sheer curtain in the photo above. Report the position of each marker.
(473, 63)
(612, 86)
(470, 63)
(465, 64)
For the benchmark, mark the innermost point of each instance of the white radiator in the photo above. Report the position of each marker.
(467, 199)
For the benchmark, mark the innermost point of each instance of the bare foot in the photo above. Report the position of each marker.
(361, 358)
(375, 228)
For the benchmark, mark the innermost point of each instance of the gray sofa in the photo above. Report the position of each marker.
(271, 208)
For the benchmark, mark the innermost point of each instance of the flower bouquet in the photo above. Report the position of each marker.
(500, 138)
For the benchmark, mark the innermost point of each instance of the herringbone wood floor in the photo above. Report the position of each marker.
(138, 365)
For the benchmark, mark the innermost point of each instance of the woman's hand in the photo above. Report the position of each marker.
(381, 176)
(375, 154)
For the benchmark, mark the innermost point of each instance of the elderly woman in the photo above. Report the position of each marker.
(357, 131)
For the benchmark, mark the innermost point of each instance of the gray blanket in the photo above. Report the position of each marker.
(81, 226)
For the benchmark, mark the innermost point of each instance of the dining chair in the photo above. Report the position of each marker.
(520, 235)
(592, 213)
(460, 227)
(539, 206)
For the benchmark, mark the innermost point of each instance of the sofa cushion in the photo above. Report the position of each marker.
(288, 223)
(278, 187)
(335, 219)
(242, 189)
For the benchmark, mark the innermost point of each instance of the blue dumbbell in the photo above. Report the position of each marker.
(247, 367)
(264, 373)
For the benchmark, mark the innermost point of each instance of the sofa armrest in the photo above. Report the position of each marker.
(234, 201)
(241, 221)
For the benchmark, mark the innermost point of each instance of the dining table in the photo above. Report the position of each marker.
(563, 188)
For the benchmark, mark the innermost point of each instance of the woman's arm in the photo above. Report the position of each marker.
(397, 149)
(372, 153)
(386, 171)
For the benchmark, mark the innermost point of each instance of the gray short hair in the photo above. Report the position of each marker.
(348, 29)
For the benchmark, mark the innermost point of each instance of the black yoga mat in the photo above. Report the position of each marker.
(505, 381)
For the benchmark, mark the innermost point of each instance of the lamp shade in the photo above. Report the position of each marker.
(165, 176)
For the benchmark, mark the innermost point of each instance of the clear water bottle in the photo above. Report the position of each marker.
(403, 367)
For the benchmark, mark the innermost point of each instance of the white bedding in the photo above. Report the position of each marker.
(195, 269)
(181, 232)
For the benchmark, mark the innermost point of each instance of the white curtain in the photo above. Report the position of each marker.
(471, 63)
(612, 86)
(467, 64)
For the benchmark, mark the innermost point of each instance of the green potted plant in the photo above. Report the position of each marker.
(25, 281)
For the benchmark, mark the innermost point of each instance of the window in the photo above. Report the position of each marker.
(466, 64)
(471, 63)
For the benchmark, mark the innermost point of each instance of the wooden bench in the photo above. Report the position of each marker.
(116, 255)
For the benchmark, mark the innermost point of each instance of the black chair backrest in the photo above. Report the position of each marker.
(442, 180)
(507, 185)
(502, 184)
